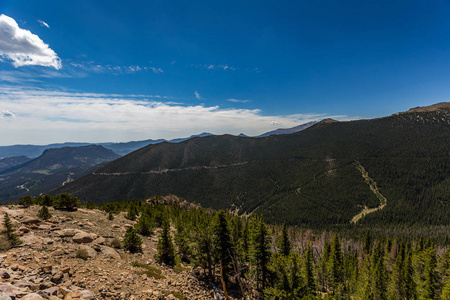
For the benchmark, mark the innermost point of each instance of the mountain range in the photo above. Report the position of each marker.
(119, 148)
(394, 169)
(288, 130)
(9, 162)
(56, 167)
(50, 170)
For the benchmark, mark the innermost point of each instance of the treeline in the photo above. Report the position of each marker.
(248, 258)
(62, 201)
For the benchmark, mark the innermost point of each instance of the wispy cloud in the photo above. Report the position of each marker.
(23, 47)
(238, 100)
(197, 95)
(215, 67)
(6, 114)
(43, 116)
(92, 67)
(275, 123)
(43, 23)
(16, 76)
(224, 67)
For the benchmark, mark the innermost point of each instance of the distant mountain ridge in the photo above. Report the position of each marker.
(122, 148)
(324, 175)
(50, 170)
(289, 130)
(10, 162)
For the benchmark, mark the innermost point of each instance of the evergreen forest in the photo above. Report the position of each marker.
(245, 257)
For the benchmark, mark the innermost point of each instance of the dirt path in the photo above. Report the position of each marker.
(373, 187)
(162, 171)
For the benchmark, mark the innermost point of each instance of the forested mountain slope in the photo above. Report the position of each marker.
(50, 170)
(310, 177)
(9, 162)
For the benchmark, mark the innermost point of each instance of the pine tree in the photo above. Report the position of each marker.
(222, 244)
(336, 263)
(181, 240)
(131, 213)
(410, 284)
(323, 274)
(166, 252)
(13, 239)
(44, 213)
(445, 294)
(295, 274)
(280, 276)
(379, 277)
(260, 254)
(110, 216)
(351, 270)
(430, 282)
(308, 271)
(244, 244)
(144, 225)
(204, 247)
(397, 283)
(283, 242)
(132, 242)
(367, 248)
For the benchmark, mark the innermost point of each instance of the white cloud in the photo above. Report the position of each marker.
(197, 95)
(275, 123)
(97, 68)
(23, 47)
(155, 70)
(43, 117)
(43, 23)
(238, 100)
(215, 67)
(7, 114)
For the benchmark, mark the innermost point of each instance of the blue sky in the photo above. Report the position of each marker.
(97, 71)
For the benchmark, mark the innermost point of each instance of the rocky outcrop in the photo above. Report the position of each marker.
(49, 264)
(84, 237)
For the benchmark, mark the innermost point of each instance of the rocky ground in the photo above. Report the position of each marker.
(47, 265)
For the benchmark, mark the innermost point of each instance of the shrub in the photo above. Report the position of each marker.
(150, 271)
(116, 243)
(82, 253)
(46, 200)
(178, 268)
(132, 242)
(110, 216)
(131, 213)
(66, 201)
(91, 205)
(177, 295)
(44, 213)
(26, 201)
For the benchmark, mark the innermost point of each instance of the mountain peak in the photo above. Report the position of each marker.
(328, 121)
(434, 107)
(288, 130)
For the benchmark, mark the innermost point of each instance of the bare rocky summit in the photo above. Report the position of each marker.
(434, 107)
(72, 256)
